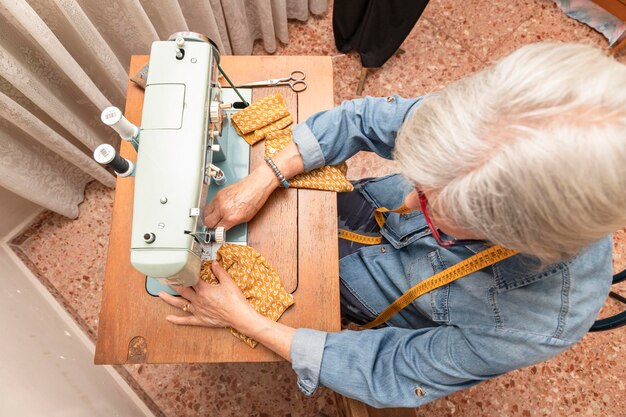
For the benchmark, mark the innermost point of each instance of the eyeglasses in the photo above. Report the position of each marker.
(435, 232)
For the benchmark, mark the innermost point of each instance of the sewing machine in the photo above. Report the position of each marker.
(186, 152)
(290, 232)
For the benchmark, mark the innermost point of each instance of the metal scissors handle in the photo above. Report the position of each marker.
(295, 81)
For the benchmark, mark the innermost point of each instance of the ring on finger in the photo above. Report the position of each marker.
(187, 308)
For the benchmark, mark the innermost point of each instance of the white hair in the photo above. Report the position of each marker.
(529, 153)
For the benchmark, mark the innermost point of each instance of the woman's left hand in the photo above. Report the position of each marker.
(210, 305)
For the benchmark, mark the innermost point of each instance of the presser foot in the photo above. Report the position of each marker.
(209, 251)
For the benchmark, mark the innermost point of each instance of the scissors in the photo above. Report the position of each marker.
(295, 81)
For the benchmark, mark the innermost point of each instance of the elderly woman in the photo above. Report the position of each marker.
(529, 154)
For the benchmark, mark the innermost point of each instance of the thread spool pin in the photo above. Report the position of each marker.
(105, 154)
(112, 116)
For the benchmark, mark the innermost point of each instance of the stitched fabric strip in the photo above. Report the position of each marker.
(260, 134)
(260, 114)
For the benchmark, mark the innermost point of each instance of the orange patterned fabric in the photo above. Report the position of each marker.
(269, 113)
(329, 178)
(256, 278)
(269, 119)
(260, 134)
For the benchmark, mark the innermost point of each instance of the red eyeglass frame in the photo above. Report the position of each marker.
(434, 231)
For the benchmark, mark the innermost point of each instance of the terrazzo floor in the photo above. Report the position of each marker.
(451, 39)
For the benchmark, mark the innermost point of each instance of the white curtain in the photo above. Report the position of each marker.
(63, 61)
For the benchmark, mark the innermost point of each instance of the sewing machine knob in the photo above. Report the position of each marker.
(149, 237)
(225, 106)
(219, 178)
(180, 41)
(219, 234)
(215, 112)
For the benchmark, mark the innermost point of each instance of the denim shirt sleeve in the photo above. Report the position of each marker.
(396, 367)
(368, 124)
(306, 353)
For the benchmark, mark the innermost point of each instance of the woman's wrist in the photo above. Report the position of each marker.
(289, 163)
(264, 174)
(245, 319)
(252, 324)
(249, 323)
(273, 335)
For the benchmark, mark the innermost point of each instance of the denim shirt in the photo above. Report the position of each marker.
(501, 318)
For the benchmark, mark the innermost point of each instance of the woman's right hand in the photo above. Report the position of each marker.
(240, 202)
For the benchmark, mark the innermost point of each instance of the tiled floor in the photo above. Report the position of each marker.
(451, 39)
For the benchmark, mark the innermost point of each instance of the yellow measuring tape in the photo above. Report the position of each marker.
(380, 219)
(359, 238)
(468, 266)
(475, 263)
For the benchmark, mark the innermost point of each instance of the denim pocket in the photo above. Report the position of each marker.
(402, 230)
(548, 292)
(434, 302)
(390, 192)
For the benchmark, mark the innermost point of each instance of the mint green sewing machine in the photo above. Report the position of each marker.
(187, 151)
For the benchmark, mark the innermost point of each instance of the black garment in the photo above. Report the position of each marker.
(374, 28)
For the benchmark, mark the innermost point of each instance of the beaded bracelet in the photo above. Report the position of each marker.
(279, 174)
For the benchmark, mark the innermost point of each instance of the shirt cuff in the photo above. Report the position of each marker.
(306, 353)
(309, 147)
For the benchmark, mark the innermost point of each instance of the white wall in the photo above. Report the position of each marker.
(46, 361)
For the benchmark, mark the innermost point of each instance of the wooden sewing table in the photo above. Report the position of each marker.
(296, 231)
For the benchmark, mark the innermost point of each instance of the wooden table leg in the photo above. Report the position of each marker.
(348, 407)
(362, 78)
